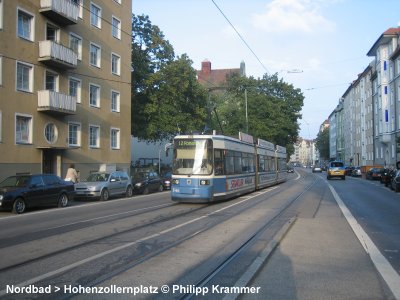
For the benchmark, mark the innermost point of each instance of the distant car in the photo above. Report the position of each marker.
(19, 192)
(335, 169)
(166, 179)
(103, 185)
(356, 172)
(146, 182)
(290, 169)
(316, 169)
(374, 173)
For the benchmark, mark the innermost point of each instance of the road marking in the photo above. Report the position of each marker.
(391, 277)
(99, 255)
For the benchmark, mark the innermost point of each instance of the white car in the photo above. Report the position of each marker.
(317, 169)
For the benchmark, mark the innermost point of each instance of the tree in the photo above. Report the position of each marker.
(176, 103)
(273, 109)
(322, 143)
(166, 97)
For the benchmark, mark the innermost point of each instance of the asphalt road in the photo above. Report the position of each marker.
(147, 243)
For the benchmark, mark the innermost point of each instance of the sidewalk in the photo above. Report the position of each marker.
(320, 258)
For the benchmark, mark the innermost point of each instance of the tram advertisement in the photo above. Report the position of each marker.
(239, 183)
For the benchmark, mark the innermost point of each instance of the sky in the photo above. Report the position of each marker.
(318, 46)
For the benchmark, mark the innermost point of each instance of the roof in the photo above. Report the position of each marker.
(216, 78)
(384, 39)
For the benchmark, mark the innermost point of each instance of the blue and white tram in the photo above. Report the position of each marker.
(209, 168)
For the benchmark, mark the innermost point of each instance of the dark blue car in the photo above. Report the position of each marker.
(19, 192)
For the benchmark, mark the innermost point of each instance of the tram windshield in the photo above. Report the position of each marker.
(192, 157)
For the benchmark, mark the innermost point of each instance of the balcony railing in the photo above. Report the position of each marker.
(63, 12)
(57, 55)
(54, 102)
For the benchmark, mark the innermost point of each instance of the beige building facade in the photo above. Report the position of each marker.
(65, 85)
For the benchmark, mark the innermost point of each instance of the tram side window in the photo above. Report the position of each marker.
(261, 163)
(238, 162)
(219, 162)
(245, 163)
(252, 168)
(229, 163)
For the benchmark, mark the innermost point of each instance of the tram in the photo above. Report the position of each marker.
(208, 168)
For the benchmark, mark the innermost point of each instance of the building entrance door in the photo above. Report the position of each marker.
(51, 161)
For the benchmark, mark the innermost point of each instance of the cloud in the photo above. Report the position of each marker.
(295, 16)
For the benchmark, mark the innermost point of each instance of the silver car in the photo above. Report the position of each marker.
(104, 185)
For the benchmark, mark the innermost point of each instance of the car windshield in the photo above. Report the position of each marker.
(140, 175)
(95, 177)
(337, 165)
(15, 181)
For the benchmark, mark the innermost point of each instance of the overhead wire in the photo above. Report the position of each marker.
(240, 36)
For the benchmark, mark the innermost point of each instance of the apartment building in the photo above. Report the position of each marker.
(65, 85)
(385, 96)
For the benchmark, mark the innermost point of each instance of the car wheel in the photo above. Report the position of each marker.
(396, 188)
(129, 192)
(105, 195)
(19, 206)
(344, 177)
(146, 190)
(160, 188)
(63, 200)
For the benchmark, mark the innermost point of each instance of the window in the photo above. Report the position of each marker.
(95, 55)
(52, 33)
(118, 1)
(94, 136)
(116, 28)
(51, 133)
(115, 133)
(23, 129)
(51, 81)
(24, 77)
(115, 64)
(75, 88)
(25, 25)
(94, 95)
(75, 43)
(95, 15)
(1, 14)
(115, 101)
(74, 134)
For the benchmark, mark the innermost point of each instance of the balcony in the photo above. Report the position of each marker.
(57, 55)
(385, 138)
(54, 102)
(62, 12)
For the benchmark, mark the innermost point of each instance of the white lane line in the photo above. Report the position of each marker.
(99, 255)
(386, 270)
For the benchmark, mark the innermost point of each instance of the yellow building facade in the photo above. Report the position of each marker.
(65, 85)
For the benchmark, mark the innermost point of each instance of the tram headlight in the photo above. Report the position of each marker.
(204, 182)
(175, 181)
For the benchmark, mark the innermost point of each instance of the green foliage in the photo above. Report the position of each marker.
(273, 108)
(322, 143)
(166, 97)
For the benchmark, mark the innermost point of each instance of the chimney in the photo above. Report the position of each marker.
(206, 67)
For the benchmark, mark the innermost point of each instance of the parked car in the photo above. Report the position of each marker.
(103, 185)
(146, 182)
(356, 172)
(335, 169)
(316, 169)
(167, 180)
(395, 183)
(387, 175)
(374, 174)
(348, 170)
(19, 192)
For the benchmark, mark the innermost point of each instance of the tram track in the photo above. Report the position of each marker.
(215, 215)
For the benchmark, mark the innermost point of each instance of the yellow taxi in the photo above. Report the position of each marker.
(335, 169)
